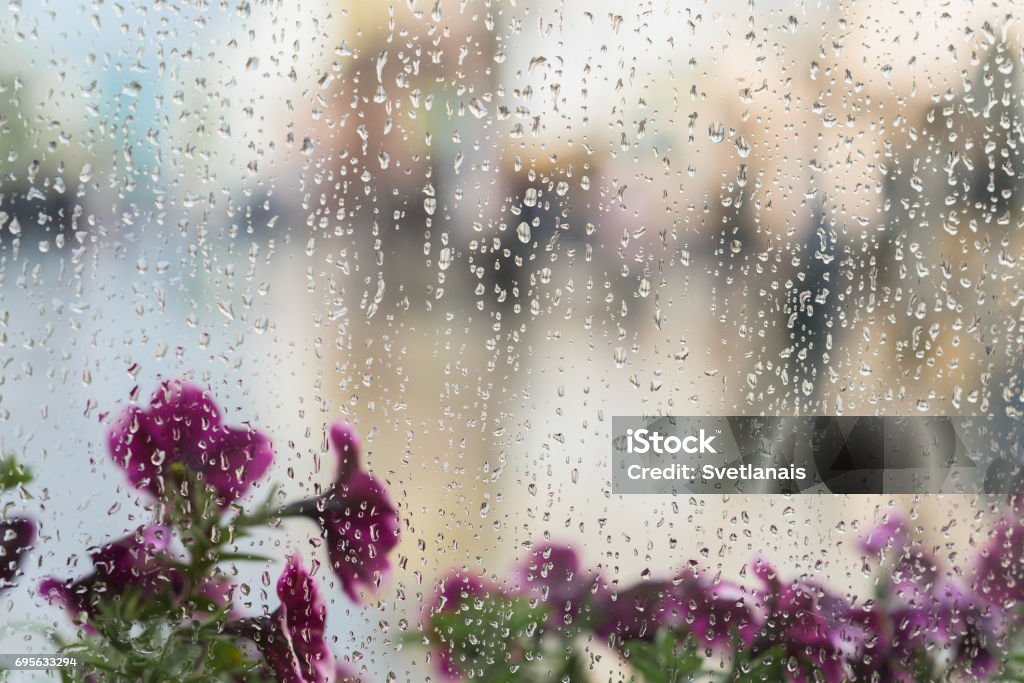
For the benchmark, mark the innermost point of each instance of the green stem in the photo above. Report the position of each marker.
(310, 507)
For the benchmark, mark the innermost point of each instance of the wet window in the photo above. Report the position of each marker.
(322, 325)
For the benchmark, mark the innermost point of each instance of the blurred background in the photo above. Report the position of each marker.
(479, 229)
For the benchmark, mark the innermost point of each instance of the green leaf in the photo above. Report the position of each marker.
(1013, 669)
(13, 474)
(666, 659)
(154, 652)
(225, 656)
(490, 637)
(772, 665)
(243, 557)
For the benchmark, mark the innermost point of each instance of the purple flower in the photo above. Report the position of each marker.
(808, 621)
(182, 431)
(552, 574)
(16, 537)
(715, 611)
(999, 567)
(888, 643)
(637, 612)
(923, 611)
(357, 518)
(134, 564)
(972, 627)
(913, 571)
(293, 638)
(914, 574)
(457, 588)
(890, 534)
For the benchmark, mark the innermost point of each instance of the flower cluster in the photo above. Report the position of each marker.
(160, 596)
(136, 564)
(163, 586)
(927, 620)
(923, 624)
